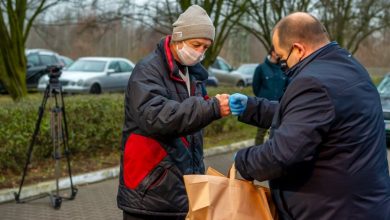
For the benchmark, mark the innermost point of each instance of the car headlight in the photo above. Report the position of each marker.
(80, 82)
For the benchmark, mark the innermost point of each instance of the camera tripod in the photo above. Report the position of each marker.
(59, 136)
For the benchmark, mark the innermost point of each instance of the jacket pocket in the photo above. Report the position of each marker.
(158, 180)
(141, 155)
(163, 190)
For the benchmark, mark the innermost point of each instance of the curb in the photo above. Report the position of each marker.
(228, 148)
(7, 195)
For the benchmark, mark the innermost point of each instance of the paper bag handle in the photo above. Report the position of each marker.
(232, 172)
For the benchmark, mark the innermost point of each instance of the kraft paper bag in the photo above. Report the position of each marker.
(216, 197)
(267, 193)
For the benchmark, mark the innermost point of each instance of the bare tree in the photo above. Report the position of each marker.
(242, 47)
(156, 15)
(374, 52)
(349, 22)
(15, 25)
(262, 15)
(89, 28)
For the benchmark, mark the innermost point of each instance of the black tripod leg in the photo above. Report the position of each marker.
(57, 138)
(63, 131)
(56, 201)
(30, 149)
(66, 148)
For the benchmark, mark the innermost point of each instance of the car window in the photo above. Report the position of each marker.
(384, 86)
(224, 66)
(215, 64)
(125, 67)
(67, 61)
(48, 60)
(115, 66)
(88, 66)
(33, 59)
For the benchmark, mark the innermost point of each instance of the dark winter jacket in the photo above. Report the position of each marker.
(269, 81)
(162, 134)
(326, 157)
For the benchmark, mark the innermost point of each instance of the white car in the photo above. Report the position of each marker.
(93, 75)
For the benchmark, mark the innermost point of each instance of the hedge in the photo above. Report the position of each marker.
(94, 125)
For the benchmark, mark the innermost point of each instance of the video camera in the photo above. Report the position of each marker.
(54, 72)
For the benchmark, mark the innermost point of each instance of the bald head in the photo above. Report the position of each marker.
(300, 27)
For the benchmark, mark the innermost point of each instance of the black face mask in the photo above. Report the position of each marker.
(278, 60)
(283, 63)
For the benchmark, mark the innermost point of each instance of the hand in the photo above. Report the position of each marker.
(237, 103)
(223, 104)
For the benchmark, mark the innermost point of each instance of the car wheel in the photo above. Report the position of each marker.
(240, 84)
(95, 89)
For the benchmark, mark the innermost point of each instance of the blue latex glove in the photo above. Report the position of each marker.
(237, 103)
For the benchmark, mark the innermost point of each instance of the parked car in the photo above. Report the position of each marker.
(246, 71)
(66, 61)
(219, 69)
(93, 75)
(384, 92)
(37, 62)
(223, 71)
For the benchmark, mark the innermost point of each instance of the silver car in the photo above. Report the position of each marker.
(225, 74)
(246, 72)
(93, 75)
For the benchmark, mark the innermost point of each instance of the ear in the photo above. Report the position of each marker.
(301, 50)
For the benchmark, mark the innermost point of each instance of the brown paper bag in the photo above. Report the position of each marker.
(216, 197)
(271, 204)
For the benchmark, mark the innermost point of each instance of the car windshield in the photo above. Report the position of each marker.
(384, 86)
(247, 69)
(87, 66)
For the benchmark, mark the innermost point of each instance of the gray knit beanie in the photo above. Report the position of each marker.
(193, 23)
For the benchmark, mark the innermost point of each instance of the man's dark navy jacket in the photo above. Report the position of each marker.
(326, 156)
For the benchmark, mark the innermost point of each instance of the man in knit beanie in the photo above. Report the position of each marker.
(193, 33)
(193, 23)
(166, 108)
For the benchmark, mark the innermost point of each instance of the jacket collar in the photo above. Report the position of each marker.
(197, 71)
(297, 68)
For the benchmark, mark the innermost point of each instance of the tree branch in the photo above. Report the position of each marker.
(31, 20)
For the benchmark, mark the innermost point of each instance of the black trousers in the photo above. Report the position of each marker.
(133, 216)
